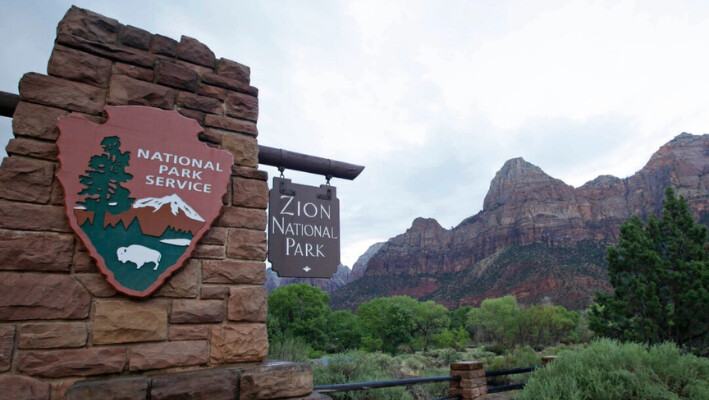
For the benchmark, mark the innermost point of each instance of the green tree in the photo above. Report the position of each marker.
(344, 331)
(496, 320)
(430, 319)
(299, 310)
(388, 322)
(102, 182)
(660, 273)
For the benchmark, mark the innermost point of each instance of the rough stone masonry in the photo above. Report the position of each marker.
(66, 333)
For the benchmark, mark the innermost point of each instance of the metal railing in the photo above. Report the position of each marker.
(345, 387)
(501, 372)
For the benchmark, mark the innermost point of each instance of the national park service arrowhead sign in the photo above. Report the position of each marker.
(140, 191)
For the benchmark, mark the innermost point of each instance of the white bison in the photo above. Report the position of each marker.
(139, 255)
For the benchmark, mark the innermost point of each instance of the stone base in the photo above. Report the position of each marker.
(267, 380)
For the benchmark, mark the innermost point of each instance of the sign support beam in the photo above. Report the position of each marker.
(267, 155)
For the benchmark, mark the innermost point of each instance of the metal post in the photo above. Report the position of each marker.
(267, 155)
(8, 103)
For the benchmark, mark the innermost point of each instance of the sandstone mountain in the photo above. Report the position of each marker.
(536, 237)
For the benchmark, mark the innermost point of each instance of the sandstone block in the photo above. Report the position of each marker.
(26, 179)
(218, 384)
(196, 311)
(57, 92)
(473, 383)
(231, 84)
(211, 91)
(215, 236)
(143, 74)
(233, 70)
(247, 303)
(188, 332)
(184, 283)
(466, 366)
(57, 196)
(136, 37)
(32, 217)
(74, 362)
(110, 51)
(471, 374)
(89, 25)
(249, 193)
(52, 335)
(231, 124)
(7, 346)
(36, 121)
(25, 296)
(246, 245)
(32, 148)
(242, 105)
(163, 45)
(59, 387)
(275, 380)
(96, 284)
(83, 261)
(206, 251)
(114, 389)
(201, 103)
(238, 217)
(35, 251)
(197, 116)
(214, 292)
(211, 135)
(127, 91)
(250, 173)
(195, 52)
(168, 355)
(244, 148)
(79, 66)
(228, 271)
(177, 76)
(126, 321)
(238, 343)
(17, 387)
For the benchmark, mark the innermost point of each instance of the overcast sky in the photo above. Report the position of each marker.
(432, 97)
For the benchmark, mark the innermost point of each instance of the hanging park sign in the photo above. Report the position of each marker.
(303, 230)
(140, 191)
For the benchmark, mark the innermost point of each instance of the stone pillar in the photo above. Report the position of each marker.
(472, 383)
(60, 321)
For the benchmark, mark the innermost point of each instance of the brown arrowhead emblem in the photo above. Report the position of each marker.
(140, 191)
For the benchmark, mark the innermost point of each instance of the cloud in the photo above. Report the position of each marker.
(433, 97)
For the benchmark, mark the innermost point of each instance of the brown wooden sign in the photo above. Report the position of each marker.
(140, 191)
(303, 230)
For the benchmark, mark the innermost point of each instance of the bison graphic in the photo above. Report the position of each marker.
(139, 255)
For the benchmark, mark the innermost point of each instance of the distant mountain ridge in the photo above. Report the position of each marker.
(340, 278)
(525, 212)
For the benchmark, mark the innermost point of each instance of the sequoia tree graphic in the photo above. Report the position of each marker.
(103, 181)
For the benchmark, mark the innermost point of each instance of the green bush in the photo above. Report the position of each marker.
(288, 348)
(355, 367)
(609, 370)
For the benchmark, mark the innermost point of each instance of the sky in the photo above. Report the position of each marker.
(432, 97)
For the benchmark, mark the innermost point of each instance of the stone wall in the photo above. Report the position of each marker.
(60, 321)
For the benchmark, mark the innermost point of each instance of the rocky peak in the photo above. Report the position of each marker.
(360, 266)
(525, 206)
(520, 180)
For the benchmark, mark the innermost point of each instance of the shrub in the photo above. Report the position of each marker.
(360, 367)
(289, 348)
(608, 370)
